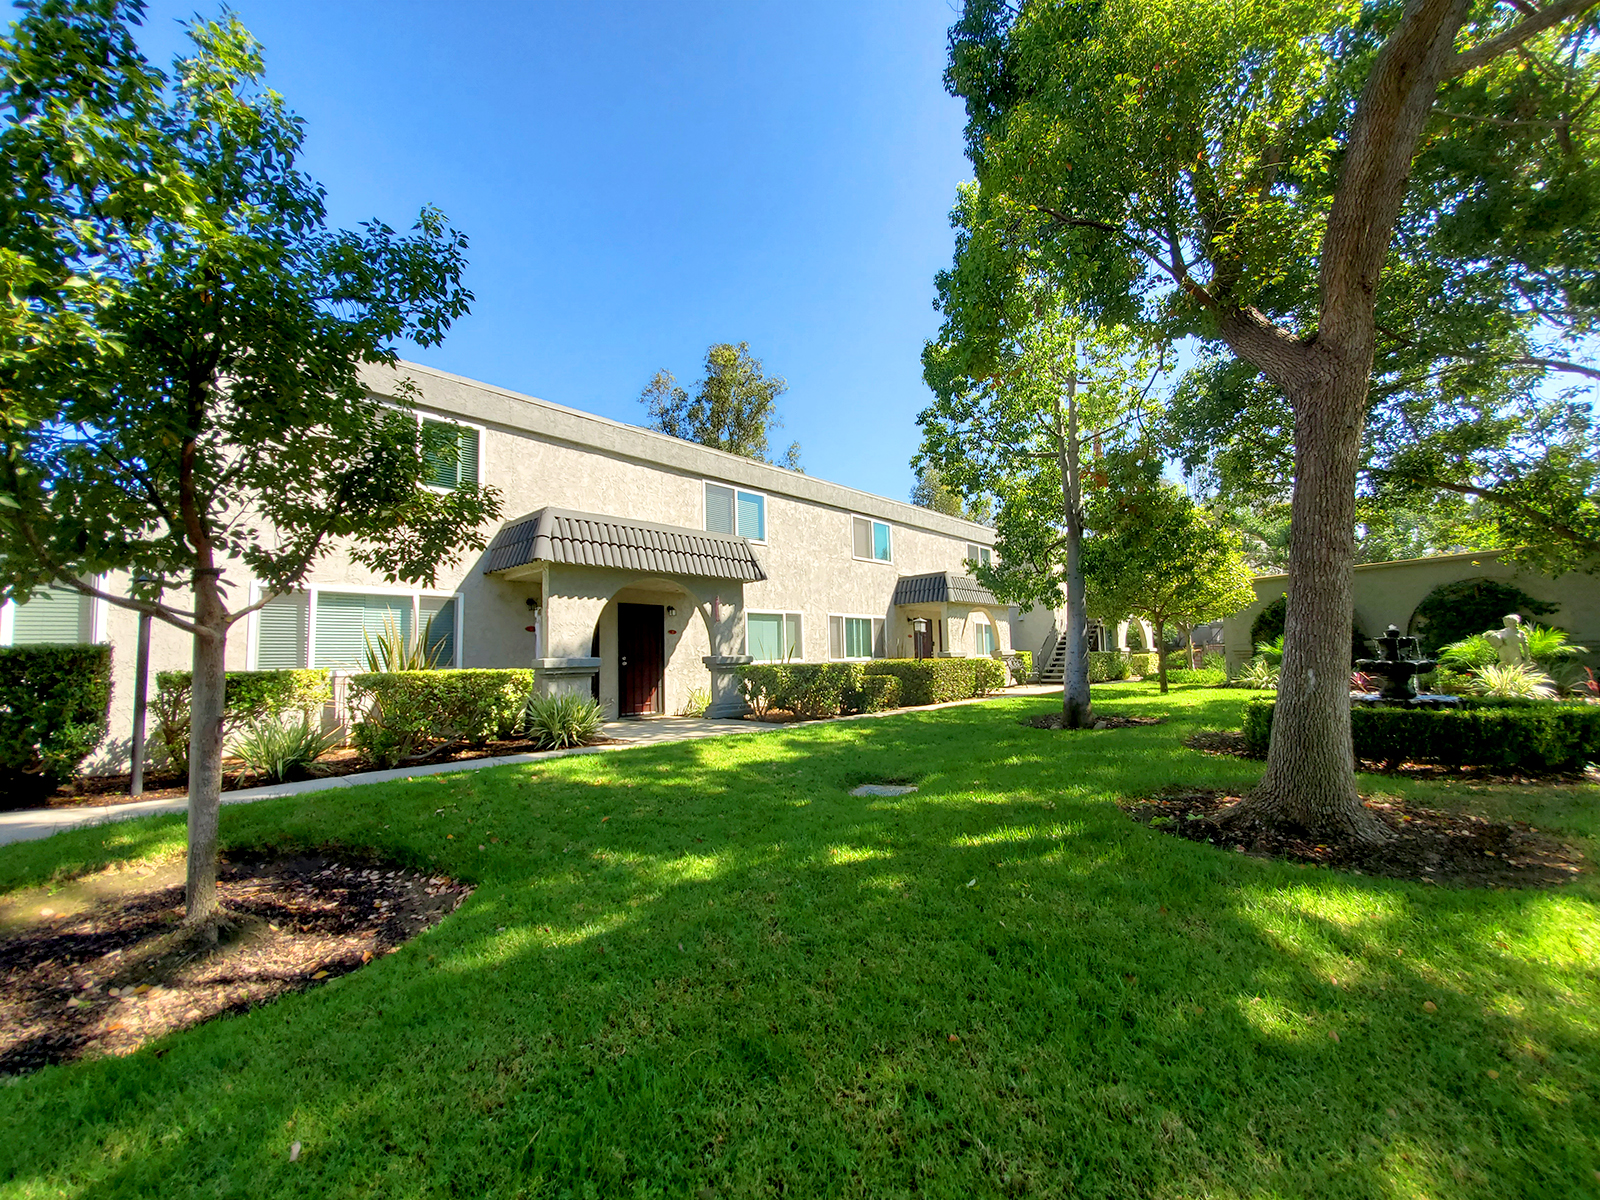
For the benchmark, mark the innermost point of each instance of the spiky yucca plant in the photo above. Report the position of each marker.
(557, 722)
(390, 651)
(276, 750)
(1513, 682)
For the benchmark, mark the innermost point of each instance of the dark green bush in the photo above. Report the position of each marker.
(1504, 735)
(250, 698)
(879, 692)
(988, 675)
(763, 686)
(1106, 665)
(54, 706)
(1453, 611)
(930, 680)
(1145, 663)
(408, 714)
(822, 689)
(1197, 675)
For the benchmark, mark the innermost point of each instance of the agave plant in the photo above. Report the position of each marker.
(276, 751)
(556, 722)
(1258, 673)
(390, 651)
(1469, 653)
(1516, 681)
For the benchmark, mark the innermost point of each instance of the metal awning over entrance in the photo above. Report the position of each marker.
(941, 587)
(560, 535)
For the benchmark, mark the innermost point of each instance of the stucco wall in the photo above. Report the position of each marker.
(1388, 593)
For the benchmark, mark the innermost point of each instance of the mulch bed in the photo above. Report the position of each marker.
(114, 974)
(90, 790)
(1231, 743)
(1101, 721)
(1430, 846)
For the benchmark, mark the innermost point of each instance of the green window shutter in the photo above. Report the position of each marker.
(281, 633)
(444, 466)
(879, 633)
(764, 632)
(57, 615)
(442, 632)
(344, 620)
(752, 516)
(467, 443)
(719, 509)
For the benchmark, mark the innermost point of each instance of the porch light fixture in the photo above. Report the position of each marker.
(671, 612)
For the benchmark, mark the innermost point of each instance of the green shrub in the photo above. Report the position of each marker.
(763, 685)
(408, 714)
(563, 720)
(1212, 660)
(250, 697)
(929, 680)
(1106, 665)
(699, 700)
(278, 750)
(878, 692)
(54, 706)
(1145, 663)
(1257, 673)
(822, 689)
(1209, 676)
(988, 675)
(1503, 735)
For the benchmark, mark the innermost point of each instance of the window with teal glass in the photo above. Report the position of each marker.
(345, 619)
(730, 510)
(870, 539)
(773, 637)
(439, 618)
(455, 466)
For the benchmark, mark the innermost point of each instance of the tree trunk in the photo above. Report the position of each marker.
(1077, 709)
(1161, 654)
(1310, 777)
(1188, 638)
(206, 700)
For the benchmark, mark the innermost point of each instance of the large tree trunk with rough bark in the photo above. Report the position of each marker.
(1077, 710)
(206, 702)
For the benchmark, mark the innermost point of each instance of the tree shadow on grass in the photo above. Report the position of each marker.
(733, 974)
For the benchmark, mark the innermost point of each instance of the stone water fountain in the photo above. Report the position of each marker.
(1399, 674)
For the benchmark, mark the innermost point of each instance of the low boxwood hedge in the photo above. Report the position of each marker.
(405, 713)
(1204, 675)
(250, 696)
(1505, 735)
(54, 708)
(829, 689)
(1106, 665)
(931, 680)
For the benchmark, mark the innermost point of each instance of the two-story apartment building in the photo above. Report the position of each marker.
(629, 564)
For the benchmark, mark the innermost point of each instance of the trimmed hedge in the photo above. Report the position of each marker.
(55, 703)
(829, 689)
(1505, 735)
(1204, 675)
(1106, 665)
(249, 697)
(930, 680)
(408, 712)
(879, 692)
(1146, 663)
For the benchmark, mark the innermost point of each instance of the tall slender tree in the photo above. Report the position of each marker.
(734, 406)
(1020, 412)
(209, 424)
(1287, 182)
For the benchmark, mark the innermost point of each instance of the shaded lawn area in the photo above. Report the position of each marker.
(706, 966)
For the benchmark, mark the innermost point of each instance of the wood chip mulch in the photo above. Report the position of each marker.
(1429, 846)
(114, 975)
(1101, 721)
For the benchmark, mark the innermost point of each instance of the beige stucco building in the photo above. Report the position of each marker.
(627, 564)
(1388, 593)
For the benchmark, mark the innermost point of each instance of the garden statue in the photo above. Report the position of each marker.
(1511, 643)
(1399, 673)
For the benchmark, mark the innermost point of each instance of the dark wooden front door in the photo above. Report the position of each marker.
(922, 638)
(640, 647)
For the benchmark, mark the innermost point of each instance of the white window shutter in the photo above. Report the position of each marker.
(719, 509)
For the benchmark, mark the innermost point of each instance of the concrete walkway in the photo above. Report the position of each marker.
(32, 823)
(28, 824)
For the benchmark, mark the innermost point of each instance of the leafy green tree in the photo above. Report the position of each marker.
(209, 424)
(1156, 554)
(1302, 187)
(1013, 414)
(734, 406)
(930, 491)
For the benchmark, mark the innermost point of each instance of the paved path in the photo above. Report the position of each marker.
(32, 823)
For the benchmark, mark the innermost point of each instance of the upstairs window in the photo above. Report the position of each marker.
(870, 540)
(453, 468)
(55, 615)
(732, 510)
(773, 637)
(978, 554)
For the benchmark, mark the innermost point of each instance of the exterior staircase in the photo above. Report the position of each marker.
(1053, 657)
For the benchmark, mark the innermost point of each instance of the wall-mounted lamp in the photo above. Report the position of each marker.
(533, 603)
(671, 612)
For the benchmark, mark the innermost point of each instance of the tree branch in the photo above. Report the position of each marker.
(1542, 19)
(1178, 276)
(1559, 528)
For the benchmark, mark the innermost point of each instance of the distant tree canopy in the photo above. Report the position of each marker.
(734, 406)
(931, 491)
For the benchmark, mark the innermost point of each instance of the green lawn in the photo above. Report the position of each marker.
(748, 983)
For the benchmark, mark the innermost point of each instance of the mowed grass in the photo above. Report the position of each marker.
(706, 969)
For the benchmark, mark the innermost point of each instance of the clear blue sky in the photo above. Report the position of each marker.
(641, 180)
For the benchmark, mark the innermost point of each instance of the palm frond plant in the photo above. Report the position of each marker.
(1271, 652)
(391, 651)
(1516, 681)
(558, 722)
(1548, 645)
(1469, 653)
(278, 751)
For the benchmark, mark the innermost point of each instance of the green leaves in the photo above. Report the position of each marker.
(734, 408)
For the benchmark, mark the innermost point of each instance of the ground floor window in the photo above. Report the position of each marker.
(55, 615)
(984, 641)
(773, 637)
(328, 627)
(855, 637)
